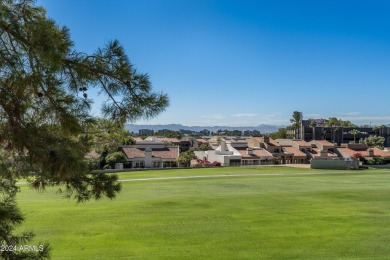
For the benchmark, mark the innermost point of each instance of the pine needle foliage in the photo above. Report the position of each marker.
(45, 112)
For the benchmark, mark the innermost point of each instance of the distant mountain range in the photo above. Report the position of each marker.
(263, 128)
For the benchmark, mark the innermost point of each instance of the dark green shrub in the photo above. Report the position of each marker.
(116, 157)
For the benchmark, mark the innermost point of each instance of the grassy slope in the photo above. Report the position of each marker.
(313, 216)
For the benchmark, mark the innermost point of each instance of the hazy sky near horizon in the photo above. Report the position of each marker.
(245, 63)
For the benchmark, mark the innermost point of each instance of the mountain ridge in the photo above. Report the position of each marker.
(263, 128)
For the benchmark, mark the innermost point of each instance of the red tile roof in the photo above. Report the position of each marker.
(377, 152)
(316, 152)
(201, 140)
(324, 142)
(257, 153)
(164, 153)
(302, 143)
(270, 142)
(168, 139)
(294, 151)
(138, 139)
(347, 151)
(257, 138)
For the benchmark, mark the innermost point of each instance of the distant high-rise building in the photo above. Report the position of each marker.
(186, 132)
(205, 132)
(336, 134)
(146, 132)
(251, 133)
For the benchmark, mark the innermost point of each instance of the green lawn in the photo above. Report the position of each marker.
(295, 216)
(213, 171)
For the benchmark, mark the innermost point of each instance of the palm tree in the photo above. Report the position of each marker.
(296, 122)
(313, 125)
(354, 132)
(324, 134)
(337, 131)
(381, 130)
(332, 122)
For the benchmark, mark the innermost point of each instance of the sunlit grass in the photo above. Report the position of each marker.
(321, 216)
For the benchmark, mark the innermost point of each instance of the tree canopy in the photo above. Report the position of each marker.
(296, 119)
(335, 122)
(374, 141)
(280, 134)
(354, 132)
(44, 117)
(105, 135)
(185, 158)
(45, 111)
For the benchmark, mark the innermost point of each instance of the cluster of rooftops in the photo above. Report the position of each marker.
(161, 152)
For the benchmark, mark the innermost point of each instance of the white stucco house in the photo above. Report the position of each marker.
(225, 154)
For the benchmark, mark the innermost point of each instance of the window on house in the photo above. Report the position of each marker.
(139, 164)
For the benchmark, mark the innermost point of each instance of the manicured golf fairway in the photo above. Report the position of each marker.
(285, 213)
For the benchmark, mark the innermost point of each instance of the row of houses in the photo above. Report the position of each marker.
(154, 152)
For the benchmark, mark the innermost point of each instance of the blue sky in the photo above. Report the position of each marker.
(245, 63)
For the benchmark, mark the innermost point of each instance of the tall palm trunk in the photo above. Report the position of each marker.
(314, 133)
